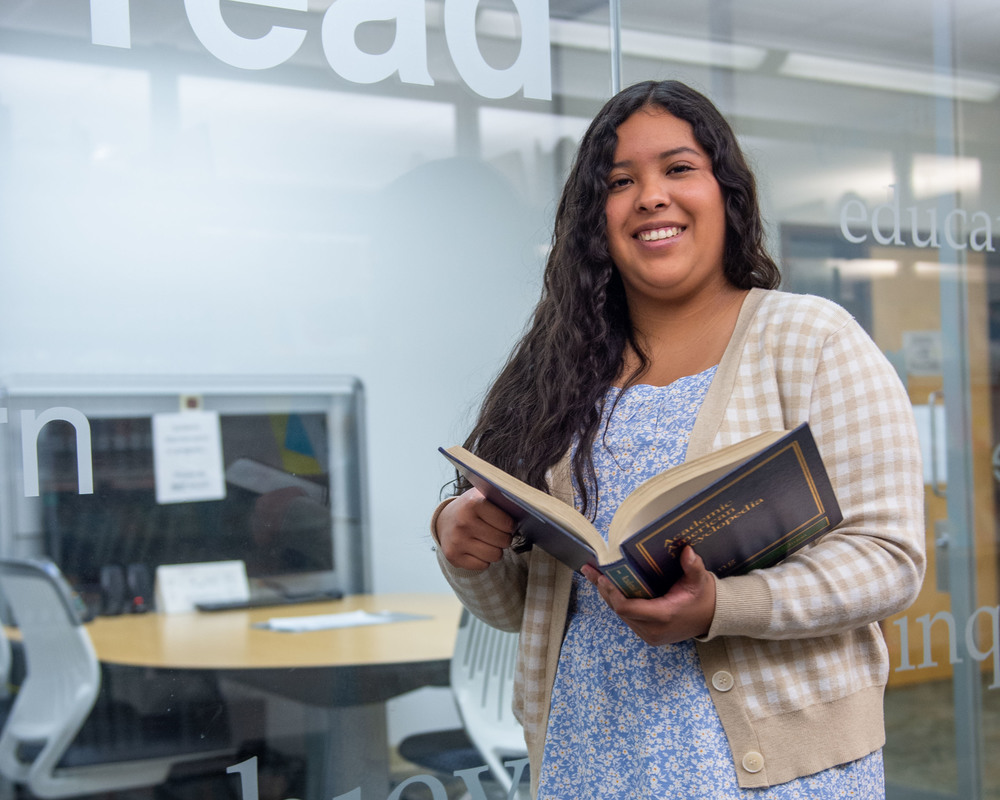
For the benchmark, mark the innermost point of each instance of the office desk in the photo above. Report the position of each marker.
(343, 675)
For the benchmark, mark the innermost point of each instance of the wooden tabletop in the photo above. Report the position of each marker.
(228, 640)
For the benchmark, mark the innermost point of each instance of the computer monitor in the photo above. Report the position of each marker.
(269, 471)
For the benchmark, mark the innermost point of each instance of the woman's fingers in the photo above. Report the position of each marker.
(682, 613)
(473, 532)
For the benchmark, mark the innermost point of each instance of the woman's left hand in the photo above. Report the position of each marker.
(682, 613)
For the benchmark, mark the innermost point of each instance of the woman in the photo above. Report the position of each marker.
(659, 337)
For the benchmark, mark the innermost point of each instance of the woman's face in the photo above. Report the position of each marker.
(666, 218)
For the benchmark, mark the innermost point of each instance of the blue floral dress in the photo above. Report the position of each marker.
(633, 721)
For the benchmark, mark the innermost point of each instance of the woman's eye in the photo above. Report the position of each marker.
(676, 168)
(617, 183)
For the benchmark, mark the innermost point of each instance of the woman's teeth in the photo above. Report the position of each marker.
(659, 233)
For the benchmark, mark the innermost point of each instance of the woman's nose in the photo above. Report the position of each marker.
(652, 195)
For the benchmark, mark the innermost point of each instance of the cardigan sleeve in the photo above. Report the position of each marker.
(495, 594)
(871, 566)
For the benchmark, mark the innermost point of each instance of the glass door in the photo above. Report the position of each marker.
(917, 266)
(869, 127)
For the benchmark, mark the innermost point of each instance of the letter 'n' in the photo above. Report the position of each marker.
(31, 426)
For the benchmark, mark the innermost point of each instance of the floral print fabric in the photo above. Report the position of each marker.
(633, 721)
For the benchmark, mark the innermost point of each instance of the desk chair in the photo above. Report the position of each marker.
(39, 745)
(5, 662)
(482, 682)
(6, 659)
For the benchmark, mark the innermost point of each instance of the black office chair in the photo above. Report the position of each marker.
(52, 742)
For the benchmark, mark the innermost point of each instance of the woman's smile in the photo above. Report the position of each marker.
(656, 234)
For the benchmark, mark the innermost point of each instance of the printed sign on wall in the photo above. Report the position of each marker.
(187, 457)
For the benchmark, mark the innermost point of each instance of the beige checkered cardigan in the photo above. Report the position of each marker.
(795, 660)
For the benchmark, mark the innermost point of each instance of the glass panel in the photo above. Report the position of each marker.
(260, 257)
(869, 129)
(356, 189)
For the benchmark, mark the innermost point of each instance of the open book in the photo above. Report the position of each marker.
(743, 507)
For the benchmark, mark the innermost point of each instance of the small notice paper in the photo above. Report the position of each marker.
(179, 587)
(187, 457)
(346, 619)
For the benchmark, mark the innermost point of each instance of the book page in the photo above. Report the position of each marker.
(656, 496)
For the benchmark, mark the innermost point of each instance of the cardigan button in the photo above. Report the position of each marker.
(753, 761)
(723, 681)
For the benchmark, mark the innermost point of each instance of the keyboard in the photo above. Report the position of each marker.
(268, 602)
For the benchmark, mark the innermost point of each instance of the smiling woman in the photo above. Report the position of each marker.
(660, 337)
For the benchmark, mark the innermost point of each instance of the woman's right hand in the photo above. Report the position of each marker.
(472, 532)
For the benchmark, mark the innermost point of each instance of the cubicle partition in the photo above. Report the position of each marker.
(128, 474)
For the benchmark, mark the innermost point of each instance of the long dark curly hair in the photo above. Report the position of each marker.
(552, 386)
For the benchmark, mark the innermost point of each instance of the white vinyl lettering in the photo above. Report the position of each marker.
(247, 770)
(972, 646)
(993, 613)
(407, 56)
(926, 621)
(848, 215)
(438, 792)
(110, 24)
(980, 237)
(958, 244)
(932, 239)
(532, 70)
(530, 73)
(275, 47)
(31, 426)
(960, 229)
(892, 206)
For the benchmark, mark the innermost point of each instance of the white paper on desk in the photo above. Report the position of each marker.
(346, 619)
